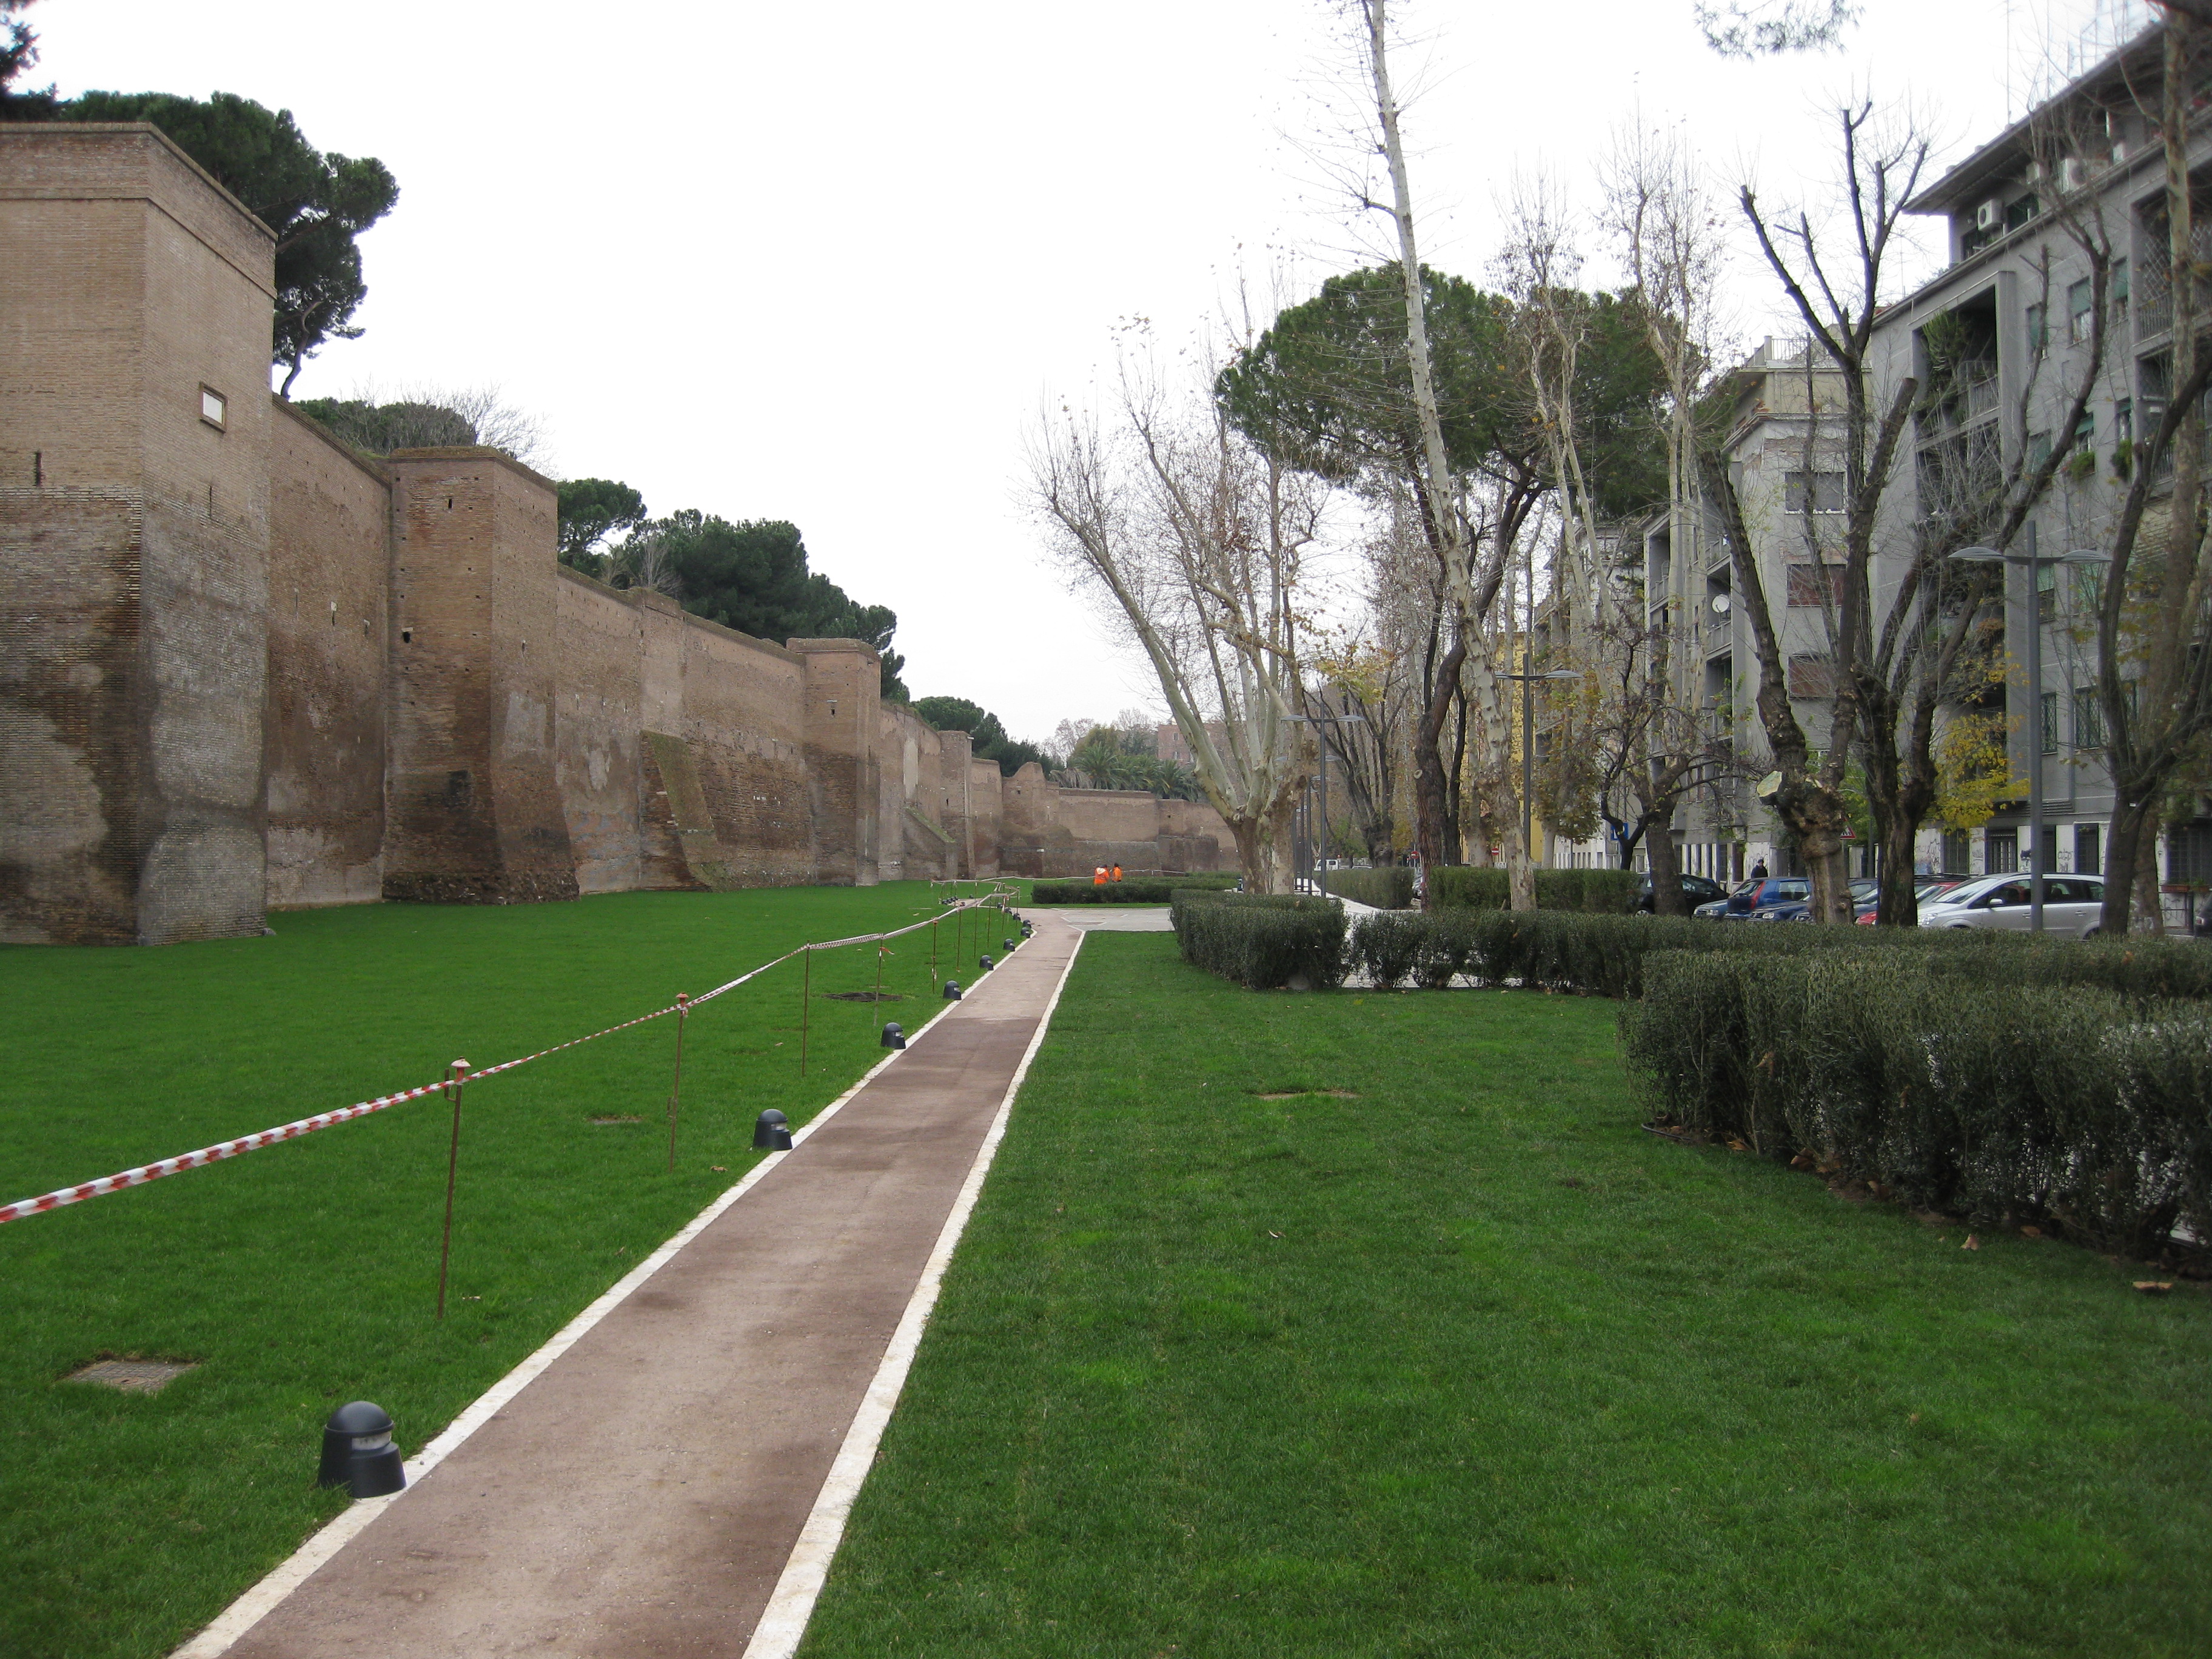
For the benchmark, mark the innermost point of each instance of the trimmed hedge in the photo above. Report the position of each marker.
(1982, 1082)
(1605, 954)
(1487, 887)
(1263, 941)
(1390, 888)
(1147, 890)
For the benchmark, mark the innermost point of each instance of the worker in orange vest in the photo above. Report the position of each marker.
(1117, 873)
(1098, 876)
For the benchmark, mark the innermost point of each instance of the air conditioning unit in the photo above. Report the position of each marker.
(2119, 151)
(2072, 173)
(1987, 216)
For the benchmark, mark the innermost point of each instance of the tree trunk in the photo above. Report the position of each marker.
(1263, 851)
(1668, 898)
(2124, 859)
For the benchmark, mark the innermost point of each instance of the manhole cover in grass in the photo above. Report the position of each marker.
(865, 996)
(1302, 1094)
(604, 1118)
(134, 1376)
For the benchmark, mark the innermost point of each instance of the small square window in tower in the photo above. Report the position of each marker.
(215, 408)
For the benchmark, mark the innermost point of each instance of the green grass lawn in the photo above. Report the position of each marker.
(303, 1275)
(1469, 1364)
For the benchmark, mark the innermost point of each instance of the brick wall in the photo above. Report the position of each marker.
(329, 640)
(134, 540)
(475, 812)
(241, 665)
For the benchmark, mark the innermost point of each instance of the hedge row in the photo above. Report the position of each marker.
(1263, 941)
(2035, 1100)
(1148, 889)
(1390, 888)
(1606, 955)
(1485, 887)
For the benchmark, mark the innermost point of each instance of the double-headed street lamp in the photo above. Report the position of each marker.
(2033, 562)
(1529, 743)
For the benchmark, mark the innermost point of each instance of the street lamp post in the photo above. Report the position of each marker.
(1529, 743)
(1321, 744)
(2033, 562)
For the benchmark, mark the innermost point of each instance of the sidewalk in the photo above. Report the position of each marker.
(642, 1495)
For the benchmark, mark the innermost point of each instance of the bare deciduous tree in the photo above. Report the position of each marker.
(1196, 538)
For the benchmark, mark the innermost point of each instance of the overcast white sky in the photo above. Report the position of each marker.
(821, 263)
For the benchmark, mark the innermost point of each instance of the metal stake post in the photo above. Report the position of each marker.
(805, 1004)
(676, 1088)
(452, 1166)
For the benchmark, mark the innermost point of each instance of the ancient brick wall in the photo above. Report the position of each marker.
(134, 533)
(843, 704)
(322, 733)
(743, 719)
(240, 665)
(597, 743)
(911, 844)
(475, 813)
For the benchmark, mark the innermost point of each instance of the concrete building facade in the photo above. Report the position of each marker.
(243, 667)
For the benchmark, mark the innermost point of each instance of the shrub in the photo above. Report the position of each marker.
(1949, 1079)
(1390, 888)
(1262, 941)
(1149, 890)
(1389, 946)
(1610, 892)
(1476, 887)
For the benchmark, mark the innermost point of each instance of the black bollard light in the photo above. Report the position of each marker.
(893, 1036)
(952, 990)
(985, 964)
(771, 1131)
(1008, 945)
(358, 1452)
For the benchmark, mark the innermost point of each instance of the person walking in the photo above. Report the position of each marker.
(1098, 875)
(1759, 871)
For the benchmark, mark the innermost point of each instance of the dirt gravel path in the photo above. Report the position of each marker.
(642, 1495)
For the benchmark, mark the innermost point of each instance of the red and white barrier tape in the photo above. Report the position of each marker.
(140, 1177)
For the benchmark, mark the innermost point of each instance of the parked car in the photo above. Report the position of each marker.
(1864, 892)
(1924, 890)
(2072, 905)
(1763, 890)
(1698, 890)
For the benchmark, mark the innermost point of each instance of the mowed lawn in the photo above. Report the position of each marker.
(302, 1275)
(1468, 1363)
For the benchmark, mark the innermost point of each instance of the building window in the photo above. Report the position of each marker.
(2050, 722)
(1827, 492)
(1957, 853)
(2039, 335)
(2020, 210)
(2088, 850)
(2002, 852)
(2189, 854)
(2085, 432)
(2088, 718)
(2039, 449)
(2120, 288)
(2078, 308)
(1805, 582)
(215, 408)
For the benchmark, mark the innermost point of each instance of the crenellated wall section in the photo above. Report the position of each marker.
(246, 666)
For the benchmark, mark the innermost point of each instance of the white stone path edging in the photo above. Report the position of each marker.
(255, 1604)
(791, 1604)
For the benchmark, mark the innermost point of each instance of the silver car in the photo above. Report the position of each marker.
(2072, 905)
